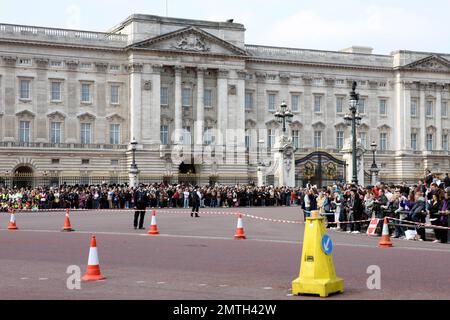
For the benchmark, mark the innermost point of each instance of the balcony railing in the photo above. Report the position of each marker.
(64, 35)
(43, 145)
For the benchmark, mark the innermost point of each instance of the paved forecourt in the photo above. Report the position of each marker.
(198, 258)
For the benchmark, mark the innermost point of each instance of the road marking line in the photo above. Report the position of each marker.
(161, 282)
(140, 282)
(267, 288)
(231, 239)
(223, 285)
(43, 279)
(24, 278)
(202, 284)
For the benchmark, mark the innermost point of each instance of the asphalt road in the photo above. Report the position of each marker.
(199, 259)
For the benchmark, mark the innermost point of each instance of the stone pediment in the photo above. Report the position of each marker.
(25, 114)
(190, 39)
(432, 63)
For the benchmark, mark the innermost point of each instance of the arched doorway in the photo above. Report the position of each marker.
(187, 173)
(23, 177)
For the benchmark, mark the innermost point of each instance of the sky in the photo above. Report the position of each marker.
(385, 25)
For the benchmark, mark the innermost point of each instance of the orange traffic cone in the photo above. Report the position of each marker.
(12, 221)
(153, 227)
(240, 229)
(93, 269)
(67, 227)
(385, 241)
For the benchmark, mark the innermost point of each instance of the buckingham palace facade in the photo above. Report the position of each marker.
(200, 101)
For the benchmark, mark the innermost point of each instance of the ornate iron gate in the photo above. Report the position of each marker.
(320, 168)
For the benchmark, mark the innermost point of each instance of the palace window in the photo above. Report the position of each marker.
(317, 104)
(270, 138)
(186, 96)
(56, 91)
(247, 140)
(430, 141)
(208, 98)
(115, 94)
(383, 108)
(429, 109)
(445, 142)
(164, 135)
(414, 141)
(383, 141)
(413, 108)
(24, 131)
(25, 86)
(85, 133)
(187, 138)
(85, 93)
(339, 104)
(248, 100)
(55, 133)
(114, 133)
(362, 106)
(363, 139)
(444, 109)
(339, 140)
(295, 102)
(208, 136)
(317, 139)
(296, 139)
(164, 96)
(271, 101)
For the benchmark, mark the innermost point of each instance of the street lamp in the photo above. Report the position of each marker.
(353, 119)
(374, 168)
(284, 115)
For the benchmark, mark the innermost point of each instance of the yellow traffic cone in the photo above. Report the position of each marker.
(317, 273)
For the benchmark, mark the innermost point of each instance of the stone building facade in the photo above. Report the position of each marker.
(201, 102)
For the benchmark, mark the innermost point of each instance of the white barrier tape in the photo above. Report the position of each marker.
(406, 223)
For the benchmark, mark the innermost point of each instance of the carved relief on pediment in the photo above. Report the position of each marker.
(191, 42)
(431, 63)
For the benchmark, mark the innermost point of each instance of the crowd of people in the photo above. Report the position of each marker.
(338, 202)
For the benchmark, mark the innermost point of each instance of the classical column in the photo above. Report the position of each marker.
(423, 130)
(222, 105)
(155, 109)
(438, 116)
(41, 96)
(135, 70)
(200, 107)
(407, 115)
(178, 107)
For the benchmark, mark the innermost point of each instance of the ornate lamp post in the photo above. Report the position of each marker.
(353, 119)
(284, 155)
(133, 169)
(284, 115)
(374, 168)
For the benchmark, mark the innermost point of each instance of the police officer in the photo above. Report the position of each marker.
(196, 197)
(140, 204)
